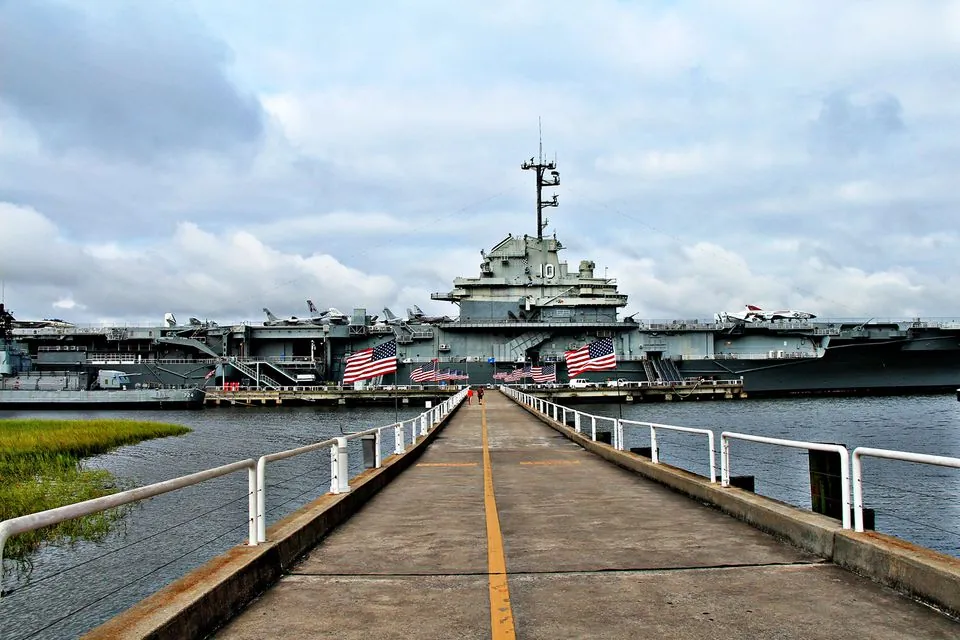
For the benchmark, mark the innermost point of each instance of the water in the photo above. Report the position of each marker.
(913, 501)
(71, 590)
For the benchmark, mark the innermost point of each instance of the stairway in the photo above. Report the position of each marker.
(516, 349)
(251, 373)
(648, 369)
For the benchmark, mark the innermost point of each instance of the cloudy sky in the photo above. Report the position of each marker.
(212, 157)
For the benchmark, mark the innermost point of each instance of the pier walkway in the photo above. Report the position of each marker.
(504, 528)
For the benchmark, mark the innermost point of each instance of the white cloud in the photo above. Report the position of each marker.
(790, 154)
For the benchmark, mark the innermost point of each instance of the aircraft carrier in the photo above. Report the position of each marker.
(526, 306)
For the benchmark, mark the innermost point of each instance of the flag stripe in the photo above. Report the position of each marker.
(596, 356)
(370, 363)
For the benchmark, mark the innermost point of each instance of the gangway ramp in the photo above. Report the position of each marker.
(504, 528)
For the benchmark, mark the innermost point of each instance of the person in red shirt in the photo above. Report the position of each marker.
(469, 395)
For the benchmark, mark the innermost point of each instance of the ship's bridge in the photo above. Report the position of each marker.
(523, 279)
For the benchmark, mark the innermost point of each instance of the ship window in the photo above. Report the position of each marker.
(548, 270)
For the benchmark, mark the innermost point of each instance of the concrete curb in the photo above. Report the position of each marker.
(920, 573)
(208, 597)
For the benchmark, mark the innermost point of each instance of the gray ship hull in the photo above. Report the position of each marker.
(101, 399)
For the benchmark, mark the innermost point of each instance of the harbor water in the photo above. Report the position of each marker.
(70, 589)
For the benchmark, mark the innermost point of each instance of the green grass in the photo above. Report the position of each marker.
(40, 469)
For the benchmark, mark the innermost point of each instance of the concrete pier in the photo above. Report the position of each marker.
(505, 528)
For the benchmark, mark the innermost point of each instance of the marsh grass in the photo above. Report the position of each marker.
(40, 468)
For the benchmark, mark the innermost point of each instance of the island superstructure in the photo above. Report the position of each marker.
(525, 307)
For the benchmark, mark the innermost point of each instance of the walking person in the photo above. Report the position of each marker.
(480, 395)
(469, 395)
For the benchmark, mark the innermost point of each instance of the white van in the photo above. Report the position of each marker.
(580, 383)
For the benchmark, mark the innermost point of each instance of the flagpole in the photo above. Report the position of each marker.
(396, 394)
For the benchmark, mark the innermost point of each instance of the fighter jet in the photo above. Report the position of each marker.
(389, 318)
(417, 315)
(330, 316)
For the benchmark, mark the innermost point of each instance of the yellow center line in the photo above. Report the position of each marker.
(501, 614)
(549, 462)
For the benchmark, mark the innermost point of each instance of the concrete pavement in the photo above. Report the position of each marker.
(591, 551)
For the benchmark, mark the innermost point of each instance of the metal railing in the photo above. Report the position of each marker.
(654, 450)
(905, 456)
(34, 521)
(339, 458)
(554, 411)
(256, 478)
(726, 436)
(849, 474)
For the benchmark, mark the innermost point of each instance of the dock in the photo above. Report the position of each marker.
(503, 528)
(327, 395)
(642, 392)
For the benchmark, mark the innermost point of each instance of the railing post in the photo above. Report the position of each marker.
(339, 467)
(378, 457)
(857, 492)
(619, 429)
(555, 407)
(654, 454)
(713, 461)
(3, 541)
(576, 421)
(262, 499)
(423, 425)
(334, 469)
(845, 490)
(253, 528)
(398, 438)
(724, 460)
(593, 428)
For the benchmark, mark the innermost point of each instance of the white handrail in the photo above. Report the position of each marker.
(655, 457)
(905, 456)
(33, 521)
(726, 436)
(256, 481)
(339, 461)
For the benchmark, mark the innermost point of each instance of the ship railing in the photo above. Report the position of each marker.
(727, 355)
(862, 452)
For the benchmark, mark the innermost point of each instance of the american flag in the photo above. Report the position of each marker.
(371, 363)
(452, 374)
(502, 375)
(514, 375)
(424, 373)
(596, 356)
(546, 373)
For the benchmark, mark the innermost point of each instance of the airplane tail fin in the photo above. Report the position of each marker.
(312, 307)
(417, 310)
(270, 316)
(388, 314)
(753, 307)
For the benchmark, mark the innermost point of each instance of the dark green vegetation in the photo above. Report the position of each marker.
(40, 469)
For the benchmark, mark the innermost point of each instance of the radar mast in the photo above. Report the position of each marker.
(540, 166)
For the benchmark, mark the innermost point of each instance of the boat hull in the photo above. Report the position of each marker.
(100, 399)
